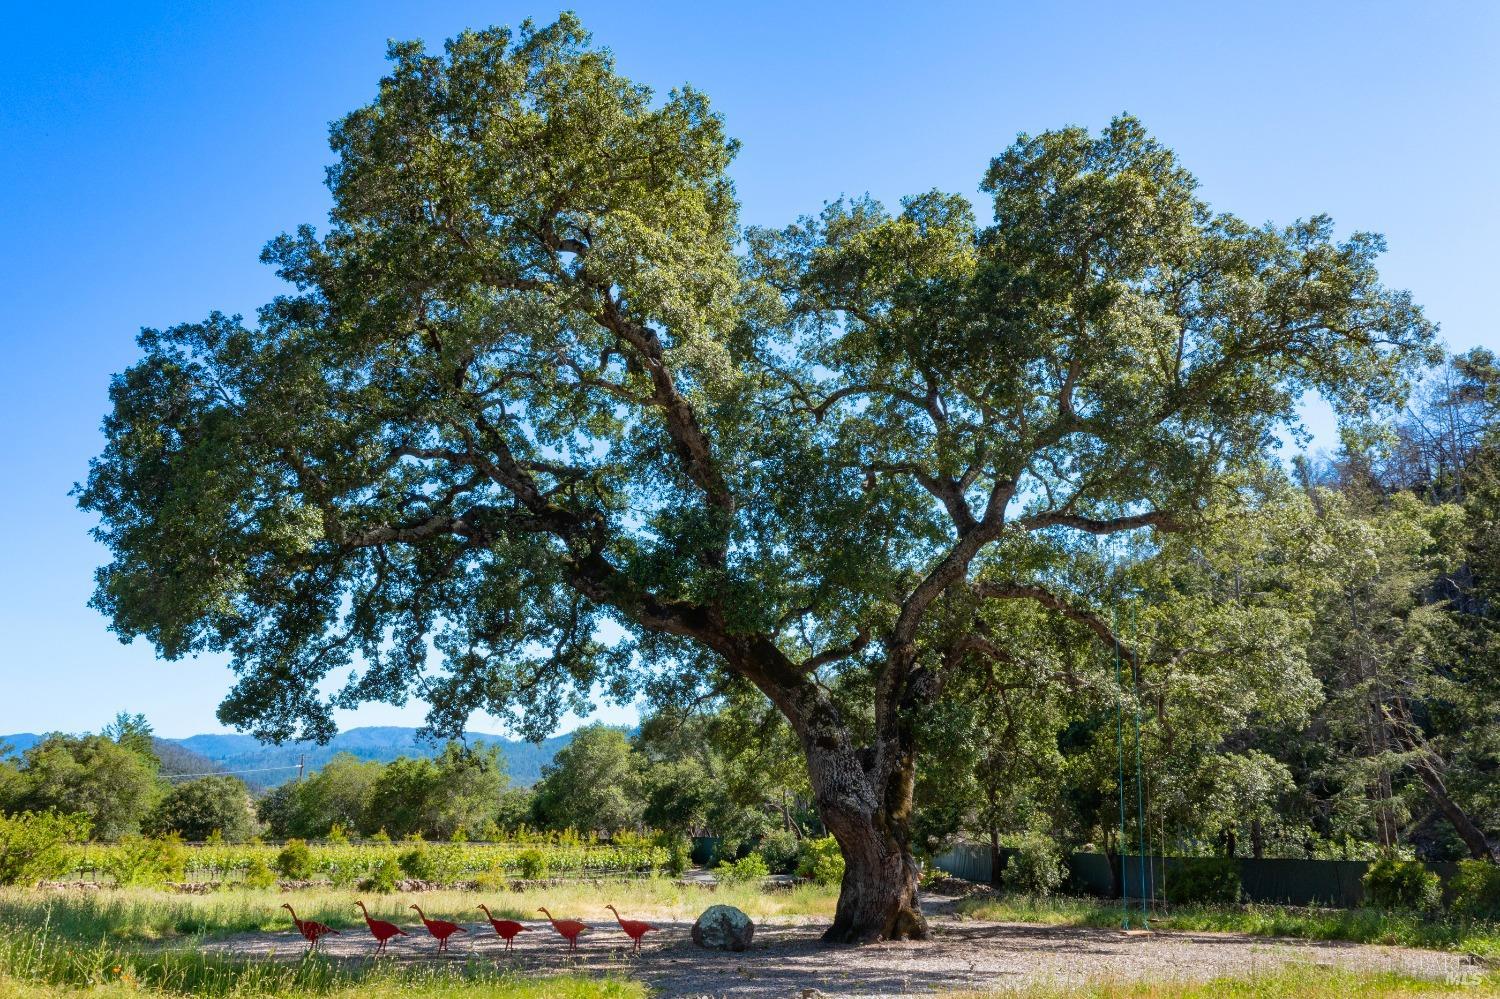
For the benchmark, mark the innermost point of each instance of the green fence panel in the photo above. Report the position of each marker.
(705, 850)
(1337, 884)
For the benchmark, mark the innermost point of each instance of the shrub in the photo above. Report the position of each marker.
(490, 880)
(196, 809)
(1036, 866)
(779, 848)
(447, 865)
(343, 873)
(138, 860)
(417, 863)
(930, 876)
(1476, 890)
(259, 875)
(1206, 881)
(679, 851)
(295, 861)
(821, 860)
(1392, 883)
(34, 845)
(532, 864)
(338, 835)
(382, 877)
(751, 867)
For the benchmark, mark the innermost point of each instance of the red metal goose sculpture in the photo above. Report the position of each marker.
(507, 928)
(568, 928)
(440, 928)
(381, 930)
(634, 928)
(312, 931)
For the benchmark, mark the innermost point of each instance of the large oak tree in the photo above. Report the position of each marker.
(539, 416)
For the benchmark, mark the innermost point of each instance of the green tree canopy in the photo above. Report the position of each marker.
(460, 789)
(593, 784)
(134, 733)
(338, 794)
(525, 385)
(195, 809)
(113, 787)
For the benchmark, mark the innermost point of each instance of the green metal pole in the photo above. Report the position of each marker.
(1120, 756)
(1140, 800)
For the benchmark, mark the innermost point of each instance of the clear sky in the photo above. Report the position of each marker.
(147, 151)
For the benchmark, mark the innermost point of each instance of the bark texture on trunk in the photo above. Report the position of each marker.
(863, 793)
(864, 796)
(869, 813)
(878, 897)
(1429, 767)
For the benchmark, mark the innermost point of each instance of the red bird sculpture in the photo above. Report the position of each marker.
(311, 930)
(381, 930)
(507, 928)
(634, 928)
(440, 928)
(569, 928)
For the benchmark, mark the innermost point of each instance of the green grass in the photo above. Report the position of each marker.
(1295, 982)
(43, 961)
(148, 914)
(1357, 925)
(139, 942)
(59, 945)
(388, 986)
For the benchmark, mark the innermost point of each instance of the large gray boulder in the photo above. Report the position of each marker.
(723, 927)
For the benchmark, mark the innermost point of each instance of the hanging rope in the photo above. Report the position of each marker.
(1161, 841)
(1120, 758)
(1140, 802)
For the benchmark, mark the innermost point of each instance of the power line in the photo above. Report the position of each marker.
(231, 773)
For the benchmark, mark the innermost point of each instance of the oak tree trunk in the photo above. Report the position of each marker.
(863, 793)
(878, 895)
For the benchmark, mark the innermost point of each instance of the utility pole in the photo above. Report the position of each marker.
(301, 765)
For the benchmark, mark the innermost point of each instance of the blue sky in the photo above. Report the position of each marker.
(148, 151)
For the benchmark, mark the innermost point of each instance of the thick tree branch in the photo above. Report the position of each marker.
(1158, 519)
(986, 590)
(851, 648)
(983, 646)
(688, 438)
(949, 492)
(820, 410)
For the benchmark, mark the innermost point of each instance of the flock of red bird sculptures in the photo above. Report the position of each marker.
(441, 929)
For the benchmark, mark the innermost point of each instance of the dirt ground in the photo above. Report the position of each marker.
(786, 959)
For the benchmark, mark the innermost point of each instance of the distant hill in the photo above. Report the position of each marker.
(231, 752)
(177, 759)
(377, 742)
(19, 742)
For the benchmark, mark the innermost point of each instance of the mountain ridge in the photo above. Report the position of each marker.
(231, 751)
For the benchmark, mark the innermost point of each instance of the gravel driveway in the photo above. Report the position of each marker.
(786, 959)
